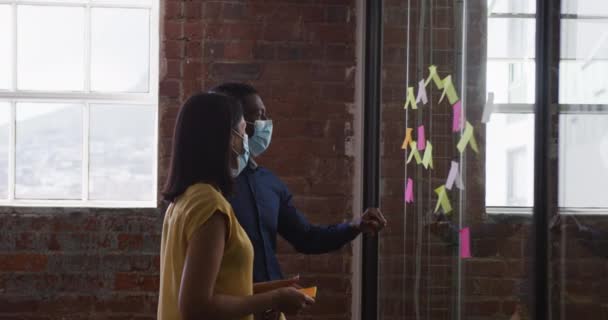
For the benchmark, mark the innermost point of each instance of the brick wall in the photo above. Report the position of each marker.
(300, 54)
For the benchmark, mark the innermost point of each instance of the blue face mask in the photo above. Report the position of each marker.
(262, 135)
(242, 157)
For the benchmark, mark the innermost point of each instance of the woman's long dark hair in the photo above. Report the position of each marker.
(201, 144)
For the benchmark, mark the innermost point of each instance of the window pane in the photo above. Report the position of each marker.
(49, 151)
(50, 48)
(120, 50)
(581, 84)
(510, 160)
(511, 6)
(511, 38)
(511, 81)
(4, 140)
(584, 39)
(583, 161)
(584, 65)
(586, 7)
(6, 41)
(122, 152)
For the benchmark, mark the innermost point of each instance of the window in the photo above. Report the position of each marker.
(510, 78)
(583, 98)
(78, 103)
(583, 123)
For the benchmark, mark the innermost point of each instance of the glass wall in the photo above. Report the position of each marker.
(457, 160)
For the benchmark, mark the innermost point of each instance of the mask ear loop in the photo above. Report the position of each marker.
(243, 139)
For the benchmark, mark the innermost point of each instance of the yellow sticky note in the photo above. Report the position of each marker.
(414, 153)
(311, 292)
(467, 137)
(448, 88)
(434, 76)
(427, 159)
(408, 138)
(443, 200)
(411, 99)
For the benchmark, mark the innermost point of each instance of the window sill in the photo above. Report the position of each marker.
(527, 211)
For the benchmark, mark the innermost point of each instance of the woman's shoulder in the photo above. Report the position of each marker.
(203, 193)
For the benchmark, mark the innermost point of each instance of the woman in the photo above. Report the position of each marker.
(206, 257)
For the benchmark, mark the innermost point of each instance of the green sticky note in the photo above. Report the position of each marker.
(443, 200)
(433, 75)
(473, 143)
(467, 135)
(411, 99)
(427, 160)
(449, 90)
(414, 153)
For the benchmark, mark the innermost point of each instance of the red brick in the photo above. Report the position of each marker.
(239, 50)
(264, 51)
(174, 49)
(212, 10)
(174, 69)
(234, 11)
(130, 241)
(193, 30)
(236, 71)
(173, 30)
(136, 282)
(194, 50)
(193, 10)
(173, 9)
(23, 262)
(169, 88)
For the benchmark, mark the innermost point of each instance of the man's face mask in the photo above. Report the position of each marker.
(262, 134)
(242, 152)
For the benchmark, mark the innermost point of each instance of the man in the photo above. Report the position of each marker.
(264, 206)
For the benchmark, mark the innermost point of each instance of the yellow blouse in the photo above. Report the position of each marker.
(190, 211)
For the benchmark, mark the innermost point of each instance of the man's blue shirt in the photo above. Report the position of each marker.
(264, 207)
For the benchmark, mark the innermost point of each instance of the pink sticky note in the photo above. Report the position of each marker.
(421, 138)
(409, 191)
(465, 243)
(457, 119)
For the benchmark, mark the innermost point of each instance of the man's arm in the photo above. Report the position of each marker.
(306, 237)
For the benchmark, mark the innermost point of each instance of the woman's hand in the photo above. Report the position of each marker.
(290, 300)
(262, 287)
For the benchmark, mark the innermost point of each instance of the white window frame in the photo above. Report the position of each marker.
(86, 98)
(526, 108)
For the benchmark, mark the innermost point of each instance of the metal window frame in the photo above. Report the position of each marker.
(86, 97)
(371, 151)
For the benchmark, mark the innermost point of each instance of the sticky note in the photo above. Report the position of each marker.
(488, 108)
(422, 97)
(409, 191)
(443, 200)
(454, 176)
(407, 139)
(311, 292)
(421, 138)
(457, 117)
(411, 99)
(467, 138)
(414, 153)
(449, 90)
(433, 75)
(427, 159)
(465, 243)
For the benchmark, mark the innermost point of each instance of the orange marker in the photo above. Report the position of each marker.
(311, 292)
